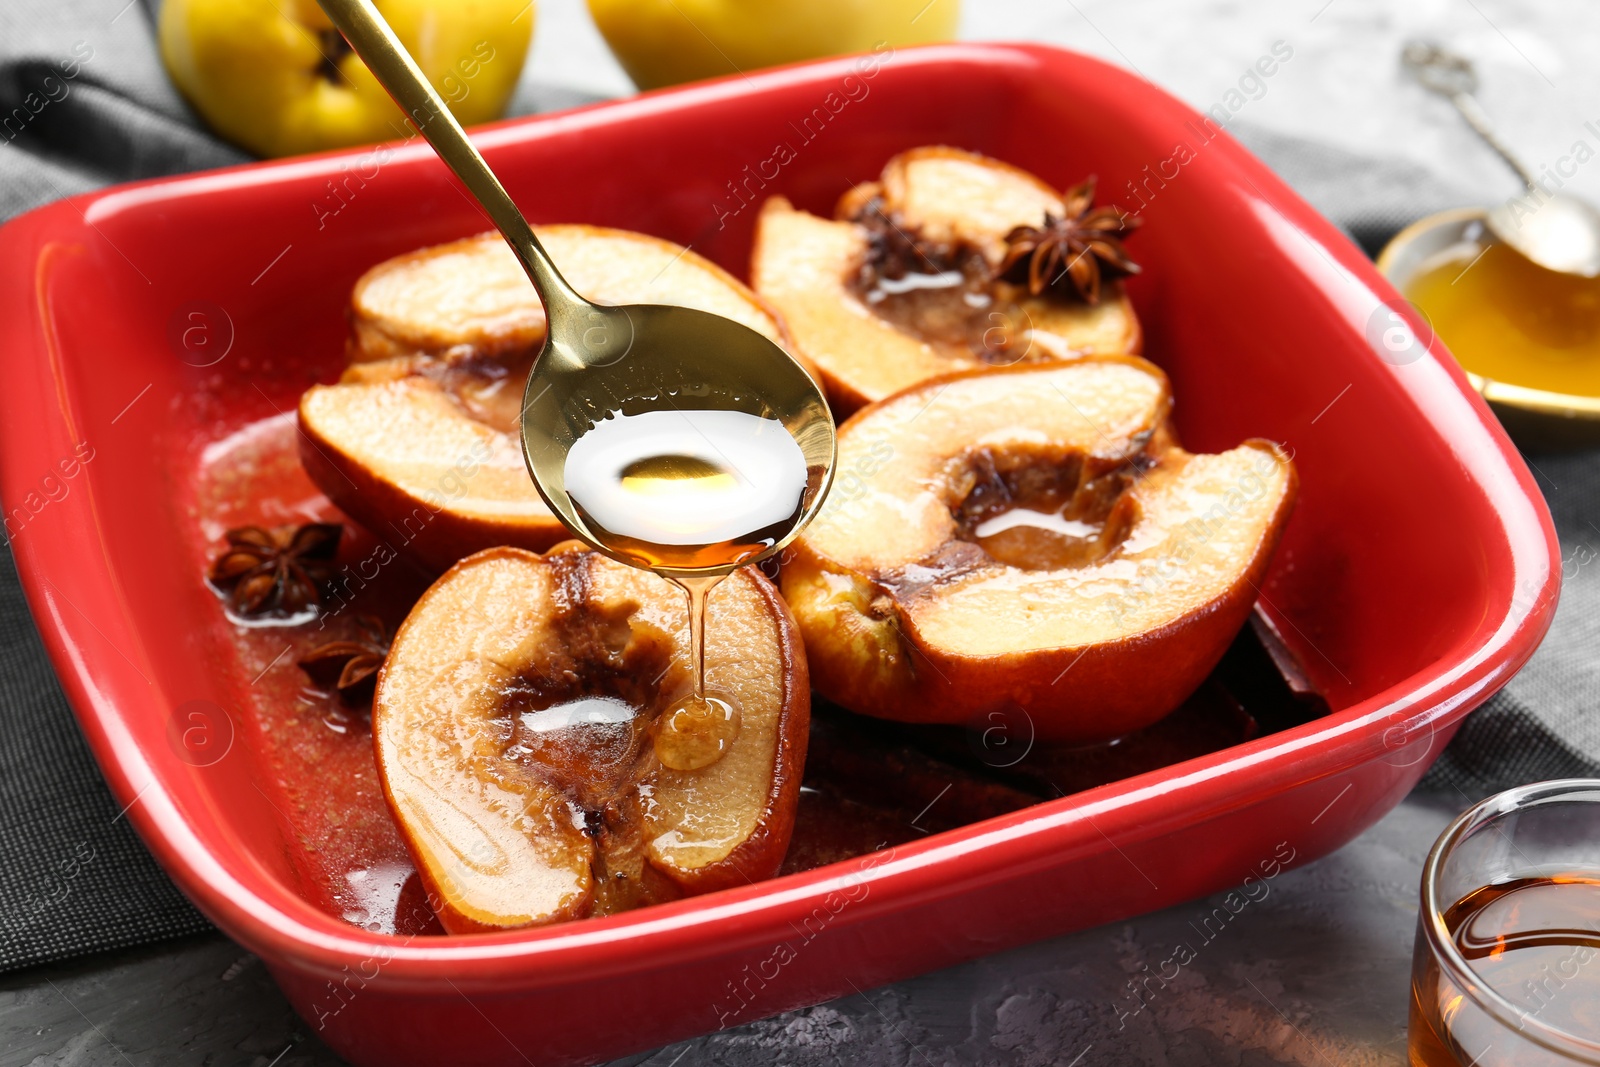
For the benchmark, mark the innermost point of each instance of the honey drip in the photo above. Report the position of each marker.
(680, 491)
(697, 729)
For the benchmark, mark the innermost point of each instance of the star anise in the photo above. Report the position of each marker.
(895, 249)
(350, 667)
(277, 571)
(1081, 248)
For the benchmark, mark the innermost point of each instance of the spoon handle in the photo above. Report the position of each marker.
(373, 40)
(1478, 119)
(1452, 75)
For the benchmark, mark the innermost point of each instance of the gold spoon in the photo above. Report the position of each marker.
(597, 358)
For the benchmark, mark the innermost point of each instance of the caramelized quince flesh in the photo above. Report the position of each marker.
(902, 285)
(465, 317)
(486, 389)
(472, 297)
(1032, 539)
(420, 435)
(517, 725)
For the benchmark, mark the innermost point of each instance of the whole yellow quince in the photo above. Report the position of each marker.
(275, 77)
(664, 42)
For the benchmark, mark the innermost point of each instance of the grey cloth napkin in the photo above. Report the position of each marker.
(75, 878)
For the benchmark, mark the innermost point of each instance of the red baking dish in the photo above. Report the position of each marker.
(1417, 575)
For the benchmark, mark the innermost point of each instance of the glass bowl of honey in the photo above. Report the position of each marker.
(1506, 971)
(1528, 338)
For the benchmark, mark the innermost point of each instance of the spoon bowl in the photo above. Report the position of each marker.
(599, 361)
(1560, 233)
(611, 360)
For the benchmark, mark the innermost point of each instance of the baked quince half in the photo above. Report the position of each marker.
(418, 440)
(522, 742)
(950, 261)
(1032, 538)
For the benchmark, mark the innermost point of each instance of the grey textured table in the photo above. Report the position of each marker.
(1316, 972)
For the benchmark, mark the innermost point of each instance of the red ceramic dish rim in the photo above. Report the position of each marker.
(269, 920)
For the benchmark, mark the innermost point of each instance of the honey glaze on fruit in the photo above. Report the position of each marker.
(579, 717)
(675, 489)
(696, 731)
(950, 302)
(488, 390)
(485, 388)
(1038, 511)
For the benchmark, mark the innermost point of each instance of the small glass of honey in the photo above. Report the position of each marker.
(1506, 969)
